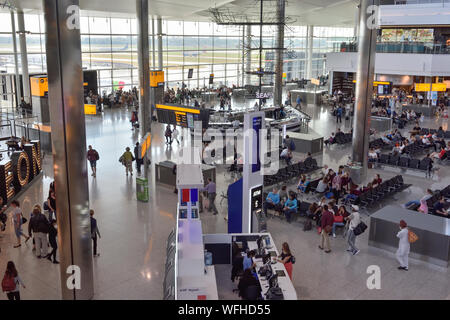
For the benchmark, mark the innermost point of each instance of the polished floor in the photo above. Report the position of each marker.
(132, 247)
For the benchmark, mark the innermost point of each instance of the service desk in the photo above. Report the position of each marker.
(165, 175)
(433, 245)
(308, 96)
(219, 245)
(380, 124)
(307, 142)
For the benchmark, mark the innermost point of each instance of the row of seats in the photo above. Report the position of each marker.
(380, 192)
(379, 144)
(405, 162)
(291, 171)
(343, 138)
(442, 134)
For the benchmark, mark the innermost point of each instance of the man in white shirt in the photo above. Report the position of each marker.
(354, 222)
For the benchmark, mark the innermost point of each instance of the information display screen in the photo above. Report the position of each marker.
(182, 116)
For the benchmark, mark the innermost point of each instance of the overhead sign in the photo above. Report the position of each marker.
(156, 78)
(39, 86)
(315, 81)
(284, 75)
(377, 83)
(211, 78)
(439, 87)
(90, 109)
(422, 87)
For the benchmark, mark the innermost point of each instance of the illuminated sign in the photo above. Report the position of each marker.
(439, 87)
(377, 83)
(90, 109)
(38, 86)
(19, 170)
(315, 81)
(156, 78)
(419, 87)
(145, 145)
(181, 109)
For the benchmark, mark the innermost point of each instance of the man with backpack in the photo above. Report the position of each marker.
(93, 157)
(40, 227)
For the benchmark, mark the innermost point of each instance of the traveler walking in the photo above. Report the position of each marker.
(93, 157)
(168, 135)
(127, 160)
(138, 157)
(11, 282)
(18, 221)
(40, 227)
(94, 232)
(326, 226)
(354, 219)
(403, 246)
(211, 190)
(52, 234)
(175, 134)
(339, 114)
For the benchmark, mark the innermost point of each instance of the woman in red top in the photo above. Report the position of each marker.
(377, 180)
(338, 219)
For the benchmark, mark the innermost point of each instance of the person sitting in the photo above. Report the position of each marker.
(272, 201)
(441, 155)
(439, 208)
(423, 206)
(247, 280)
(290, 207)
(338, 220)
(377, 180)
(330, 140)
(427, 196)
(312, 210)
(302, 183)
(286, 155)
(322, 186)
(373, 156)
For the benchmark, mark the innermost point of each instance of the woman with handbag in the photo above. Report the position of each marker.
(338, 220)
(403, 246)
(18, 221)
(286, 258)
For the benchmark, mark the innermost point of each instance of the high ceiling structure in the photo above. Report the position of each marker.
(303, 12)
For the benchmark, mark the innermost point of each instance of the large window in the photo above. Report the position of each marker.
(109, 45)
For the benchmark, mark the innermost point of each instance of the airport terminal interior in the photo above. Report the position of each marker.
(127, 171)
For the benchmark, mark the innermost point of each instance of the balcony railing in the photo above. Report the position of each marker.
(398, 47)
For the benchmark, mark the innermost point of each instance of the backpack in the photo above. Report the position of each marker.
(292, 259)
(97, 157)
(8, 283)
(307, 226)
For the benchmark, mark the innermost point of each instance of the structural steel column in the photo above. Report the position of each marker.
(65, 83)
(243, 56)
(279, 54)
(16, 60)
(309, 54)
(23, 56)
(144, 67)
(153, 44)
(364, 89)
(160, 53)
(248, 58)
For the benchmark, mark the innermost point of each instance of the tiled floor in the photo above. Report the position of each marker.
(132, 247)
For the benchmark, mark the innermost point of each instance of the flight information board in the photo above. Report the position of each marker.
(181, 116)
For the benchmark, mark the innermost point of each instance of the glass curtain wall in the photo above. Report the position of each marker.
(109, 45)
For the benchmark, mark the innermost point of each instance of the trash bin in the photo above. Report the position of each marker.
(142, 189)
